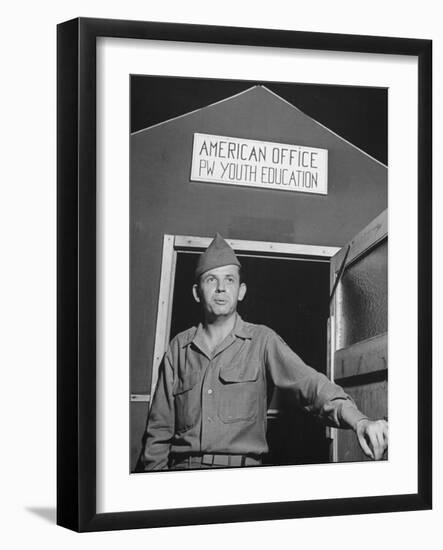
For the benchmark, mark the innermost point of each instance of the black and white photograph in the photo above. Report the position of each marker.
(258, 273)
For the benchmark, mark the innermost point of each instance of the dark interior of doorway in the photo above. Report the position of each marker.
(291, 297)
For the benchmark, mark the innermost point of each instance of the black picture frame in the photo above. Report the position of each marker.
(76, 264)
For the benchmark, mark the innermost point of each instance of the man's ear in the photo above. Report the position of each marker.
(195, 293)
(242, 291)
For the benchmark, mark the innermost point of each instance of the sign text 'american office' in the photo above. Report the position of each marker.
(229, 160)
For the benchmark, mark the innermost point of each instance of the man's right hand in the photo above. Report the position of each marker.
(373, 437)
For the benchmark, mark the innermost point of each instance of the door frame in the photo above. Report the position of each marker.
(174, 244)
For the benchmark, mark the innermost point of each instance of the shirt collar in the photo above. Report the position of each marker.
(241, 329)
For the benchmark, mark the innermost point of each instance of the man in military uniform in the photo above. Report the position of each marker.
(216, 381)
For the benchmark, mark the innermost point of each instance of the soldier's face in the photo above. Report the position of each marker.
(219, 290)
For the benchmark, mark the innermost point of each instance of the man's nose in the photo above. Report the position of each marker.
(221, 287)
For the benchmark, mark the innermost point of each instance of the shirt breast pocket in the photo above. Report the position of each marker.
(240, 391)
(186, 403)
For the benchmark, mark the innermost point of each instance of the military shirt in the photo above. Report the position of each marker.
(217, 402)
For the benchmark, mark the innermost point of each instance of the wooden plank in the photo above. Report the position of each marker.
(330, 344)
(329, 348)
(364, 357)
(338, 276)
(201, 243)
(164, 306)
(331, 432)
(140, 397)
(373, 233)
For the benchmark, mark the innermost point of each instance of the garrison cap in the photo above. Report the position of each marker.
(218, 254)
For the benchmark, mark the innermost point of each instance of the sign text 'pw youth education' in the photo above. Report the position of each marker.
(235, 161)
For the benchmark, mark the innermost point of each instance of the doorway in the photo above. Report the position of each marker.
(290, 294)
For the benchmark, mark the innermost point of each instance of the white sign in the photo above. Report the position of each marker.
(235, 161)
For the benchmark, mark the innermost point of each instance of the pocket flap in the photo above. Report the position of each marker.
(240, 372)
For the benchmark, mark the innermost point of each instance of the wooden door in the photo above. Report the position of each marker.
(359, 327)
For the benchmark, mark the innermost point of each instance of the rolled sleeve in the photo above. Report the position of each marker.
(312, 390)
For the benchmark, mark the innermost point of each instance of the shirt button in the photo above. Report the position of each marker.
(209, 419)
(209, 391)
